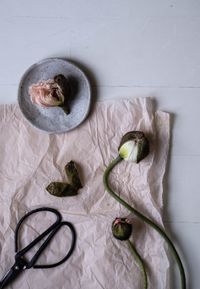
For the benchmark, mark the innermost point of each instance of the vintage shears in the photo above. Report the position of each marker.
(21, 263)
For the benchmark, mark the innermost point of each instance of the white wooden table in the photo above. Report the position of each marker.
(134, 48)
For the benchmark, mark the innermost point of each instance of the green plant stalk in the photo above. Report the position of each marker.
(139, 262)
(144, 219)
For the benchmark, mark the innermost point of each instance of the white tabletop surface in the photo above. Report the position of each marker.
(130, 48)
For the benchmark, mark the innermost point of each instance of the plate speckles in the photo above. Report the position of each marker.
(54, 120)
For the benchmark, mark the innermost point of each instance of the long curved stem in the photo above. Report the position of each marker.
(144, 219)
(139, 262)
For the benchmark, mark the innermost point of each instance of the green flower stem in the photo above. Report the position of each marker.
(143, 218)
(139, 262)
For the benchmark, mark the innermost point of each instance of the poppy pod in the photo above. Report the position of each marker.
(121, 229)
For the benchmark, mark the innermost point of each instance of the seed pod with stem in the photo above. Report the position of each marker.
(134, 147)
(122, 229)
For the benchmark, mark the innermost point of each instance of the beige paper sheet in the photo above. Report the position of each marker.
(30, 159)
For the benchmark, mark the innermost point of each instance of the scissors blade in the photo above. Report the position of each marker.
(14, 271)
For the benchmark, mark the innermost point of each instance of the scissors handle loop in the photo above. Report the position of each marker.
(21, 263)
(40, 237)
(49, 234)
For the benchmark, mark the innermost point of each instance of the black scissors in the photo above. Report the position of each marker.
(21, 263)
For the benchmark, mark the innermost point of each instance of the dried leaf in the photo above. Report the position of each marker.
(73, 175)
(60, 189)
(65, 87)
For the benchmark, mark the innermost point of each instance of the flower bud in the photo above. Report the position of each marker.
(134, 146)
(121, 229)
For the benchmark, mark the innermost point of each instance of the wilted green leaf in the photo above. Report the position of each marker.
(59, 189)
(62, 189)
(73, 175)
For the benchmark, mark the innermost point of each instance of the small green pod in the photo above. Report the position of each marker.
(121, 229)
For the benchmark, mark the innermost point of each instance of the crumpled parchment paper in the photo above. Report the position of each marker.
(30, 159)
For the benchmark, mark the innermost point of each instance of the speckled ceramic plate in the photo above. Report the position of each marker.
(54, 120)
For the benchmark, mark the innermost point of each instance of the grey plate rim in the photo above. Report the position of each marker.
(76, 67)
